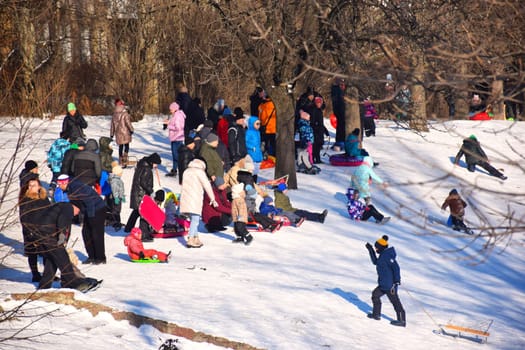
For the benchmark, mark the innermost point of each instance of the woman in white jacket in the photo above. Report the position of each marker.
(194, 183)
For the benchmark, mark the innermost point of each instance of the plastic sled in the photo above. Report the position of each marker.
(145, 261)
(342, 159)
(150, 211)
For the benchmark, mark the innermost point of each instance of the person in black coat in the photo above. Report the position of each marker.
(69, 155)
(141, 186)
(29, 172)
(339, 107)
(54, 225)
(258, 97)
(237, 137)
(186, 155)
(389, 278)
(474, 155)
(73, 124)
(195, 116)
(93, 208)
(317, 123)
(86, 165)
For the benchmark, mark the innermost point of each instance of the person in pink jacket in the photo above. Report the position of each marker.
(176, 134)
(136, 249)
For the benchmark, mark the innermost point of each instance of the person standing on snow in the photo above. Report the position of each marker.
(122, 130)
(388, 277)
(176, 134)
(73, 124)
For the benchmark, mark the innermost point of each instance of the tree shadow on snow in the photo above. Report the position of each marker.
(354, 299)
(463, 165)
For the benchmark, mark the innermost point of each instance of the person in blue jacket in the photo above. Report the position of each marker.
(363, 176)
(253, 143)
(389, 278)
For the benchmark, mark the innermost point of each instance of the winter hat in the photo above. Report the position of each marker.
(188, 140)
(160, 196)
(282, 187)
(239, 113)
(119, 102)
(318, 99)
(227, 111)
(250, 191)
(453, 191)
(30, 165)
(174, 106)
(208, 123)
(382, 243)
(62, 179)
(268, 200)
(212, 138)
(136, 232)
(153, 158)
(473, 137)
(80, 142)
(219, 181)
(356, 131)
(71, 107)
(117, 170)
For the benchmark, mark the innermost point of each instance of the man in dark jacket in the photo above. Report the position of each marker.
(73, 124)
(339, 107)
(388, 277)
(141, 186)
(86, 165)
(93, 208)
(237, 137)
(54, 222)
(186, 155)
(67, 163)
(474, 155)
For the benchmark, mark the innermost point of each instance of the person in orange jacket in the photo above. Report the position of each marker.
(268, 118)
(136, 249)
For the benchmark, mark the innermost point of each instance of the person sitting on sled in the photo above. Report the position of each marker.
(136, 249)
(268, 208)
(457, 211)
(358, 210)
(174, 220)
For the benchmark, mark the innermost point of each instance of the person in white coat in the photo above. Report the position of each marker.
(194, 183)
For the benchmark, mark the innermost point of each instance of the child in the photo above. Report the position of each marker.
(240, 215)
(267, 208)
(251, 203)
(136, 249)
(118, 195)
(457, 211)
(306, 139)
(358, 210)
(283, 201)
(389, 278)
(174, 221)
(369, 118)
(55, 155)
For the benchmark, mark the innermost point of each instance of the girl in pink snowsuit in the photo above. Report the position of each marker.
(136, 249)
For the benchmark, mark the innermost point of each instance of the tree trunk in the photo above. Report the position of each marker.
(498, 105)
(352, 115)
(418, 115)
(285, 152)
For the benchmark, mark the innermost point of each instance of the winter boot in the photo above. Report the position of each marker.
(198, 242)
(238, 240)
(124, 160)
(374, 317)
(191, 243)
(248, 239)
(401, 320)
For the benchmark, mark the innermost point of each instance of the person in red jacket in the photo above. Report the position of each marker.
(136, 249)
(215, 218)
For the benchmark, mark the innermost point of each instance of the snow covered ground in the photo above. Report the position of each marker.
(307, 287)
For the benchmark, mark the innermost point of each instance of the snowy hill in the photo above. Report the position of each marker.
(310, 287)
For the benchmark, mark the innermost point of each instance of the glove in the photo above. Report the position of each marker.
(368, 246)
(214, 203)
(393, 290)
(117, 201)
(123, 199)
(141, 255)
(164, 126)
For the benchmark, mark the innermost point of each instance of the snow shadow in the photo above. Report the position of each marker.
(352, 298)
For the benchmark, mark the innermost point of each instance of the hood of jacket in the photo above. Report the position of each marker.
(251, 122)
(105, 144)
(91, 145)
(197, 163)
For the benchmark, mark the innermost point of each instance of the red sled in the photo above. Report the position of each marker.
(274, 183)
(155, 216)
(283, 220)
(343, 159)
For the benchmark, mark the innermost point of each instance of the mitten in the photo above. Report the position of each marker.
(164, 126)
(141, 255)
(393, 290)
(368, 246)
(117, 201)
(214, 203)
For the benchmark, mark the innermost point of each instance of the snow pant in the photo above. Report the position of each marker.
(457, 221)
(113, 211)
(93, 235)
(124, 148)
(340, 130)
(57, 258)
(316, 151)
(394, 299)
(370, 126)
(132, 220)
(265, 221)
(175, 145)
(269, 144)
(492, 171)
(239, 228)
(310, 216)
(149, 253)
(371, 211)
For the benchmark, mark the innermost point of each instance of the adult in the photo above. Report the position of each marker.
(268, 118)
(339, 108)
(176, 134)
(474, 155)
(121, 129)
(237, 136)
(93, 209)
(194, 118)
(73, 124)
(186, 155)
(225, 120)
(388, 278)
(363, 176)
(86, 165)
(256, 99)
(403, 101)
(67, 162)
(32, 198)
(215, 111)
(216, 217)
(194, 184)
(30, 171)
(141, 186)
(319, 130)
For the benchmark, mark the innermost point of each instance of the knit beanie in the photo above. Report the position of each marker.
(188, 140)
(473, 137)
(382, 243)
(64, 178)
(71, 107)
(282, 187)
(227, 111)
(136, 232)
(268, 200)
(239, 113)
(30, 165)
(160, 196)
(453, 191)
(212, 137)
(174, 106)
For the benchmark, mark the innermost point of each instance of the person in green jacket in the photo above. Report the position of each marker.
(282, 201)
